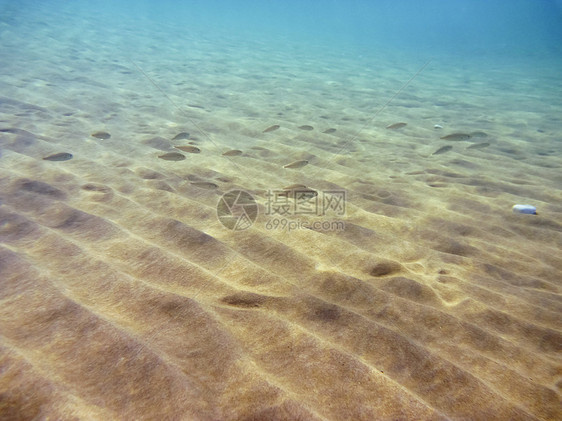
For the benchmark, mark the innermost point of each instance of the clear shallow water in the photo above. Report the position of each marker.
(123, 296)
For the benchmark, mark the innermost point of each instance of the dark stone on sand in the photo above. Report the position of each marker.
(384, 268)
(39, 187)
(101, 135)
(306, 128)
(328, 131)
(302, 194)
(204, 185)
(172, 156)
(244, 300)
(61, 156)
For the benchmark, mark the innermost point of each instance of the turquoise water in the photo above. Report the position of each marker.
(471, 27)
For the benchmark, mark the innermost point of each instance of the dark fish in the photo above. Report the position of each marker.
(456, 136)
(306, 127)
(181, 136)
(61, 156)
(442, 149)
(479, 145)
(233, 152)
(172, 156)
(396, 126)
(271, 128)
(188, 148)
(328, 131)
(205, 185)
(101, 135)
(296, 164)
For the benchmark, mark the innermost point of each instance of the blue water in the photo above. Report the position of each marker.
(471, 27)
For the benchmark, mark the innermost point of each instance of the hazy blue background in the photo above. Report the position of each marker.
(457, 26)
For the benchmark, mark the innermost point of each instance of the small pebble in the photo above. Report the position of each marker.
(526, 209)
(101, 135)
(204, 185)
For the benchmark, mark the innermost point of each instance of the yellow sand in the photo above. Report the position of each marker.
(122, 296)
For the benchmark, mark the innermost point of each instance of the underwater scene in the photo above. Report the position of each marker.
(281, 210)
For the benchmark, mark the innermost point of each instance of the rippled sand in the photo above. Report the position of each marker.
(122, 296)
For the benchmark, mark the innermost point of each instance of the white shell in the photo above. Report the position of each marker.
(527, 209)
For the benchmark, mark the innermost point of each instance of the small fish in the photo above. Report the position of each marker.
(396, 126)
(233, 152)
(456, 136)
(101, 135)
(296, 164)
(306, 127)
(172, 156)
(181, 136)
(442, 149)
(271, 128)
(61, 156)
(204, 185)
(188, 148)
(328, 131)
(479, 145)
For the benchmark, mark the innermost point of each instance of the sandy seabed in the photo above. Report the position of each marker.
(123, 296)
